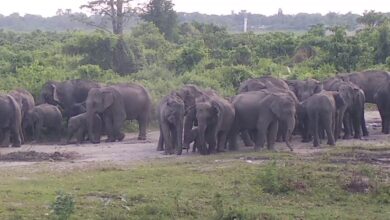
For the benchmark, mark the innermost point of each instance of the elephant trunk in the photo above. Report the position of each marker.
(90, 126)
(290, 124)
(202, 142)
(179, 137)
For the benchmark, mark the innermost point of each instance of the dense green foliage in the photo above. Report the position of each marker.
(203, 54)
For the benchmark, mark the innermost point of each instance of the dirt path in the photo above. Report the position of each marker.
(132, 151)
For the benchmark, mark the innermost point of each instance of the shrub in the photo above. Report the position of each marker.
(63, 206)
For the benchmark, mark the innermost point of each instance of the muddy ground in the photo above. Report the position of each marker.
(131, 150)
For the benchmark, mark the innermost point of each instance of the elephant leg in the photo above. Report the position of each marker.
(222, 139)
(166, 135)
(109, 128)
(363, 124)
(347, 125)
(211, 139)
(281, 131)
(38, 131)
(383, 115)
(80, 134)
(246, 138)
(273, 131)
(188, 123)
(142, 125)
(15, 135)
(262, 129)
(160, 145)
(6, 139)
(313, 127)
(326, 121)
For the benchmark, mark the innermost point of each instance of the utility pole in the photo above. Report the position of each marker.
(245, 23)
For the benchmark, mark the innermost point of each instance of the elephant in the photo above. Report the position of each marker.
(353, 110)
(303, 89)
(171, 120)
(44, 117)
(215, 116)
(382, 100)
(369, 81)
(26, 102)
(66, 94)
(267, 83)
(319, 111)
(117, 103)
(260, 112)
(10, 120)
(77, 126)
(188, 94)
(264, 82)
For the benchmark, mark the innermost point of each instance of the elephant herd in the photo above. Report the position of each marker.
(89, 110)
(268, 109)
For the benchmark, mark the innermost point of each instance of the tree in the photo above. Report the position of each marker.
(371, 18)
(382, 48)
(161, 13)
(117, 11)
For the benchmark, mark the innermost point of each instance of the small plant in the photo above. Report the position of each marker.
(63, 206)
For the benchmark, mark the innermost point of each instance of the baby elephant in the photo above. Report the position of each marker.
(77, 126)
(170, 117)
(44, 117)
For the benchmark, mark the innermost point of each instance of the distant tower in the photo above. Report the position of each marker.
(280, 12)
(245, 23)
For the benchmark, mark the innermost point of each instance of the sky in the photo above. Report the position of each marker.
(267, 7)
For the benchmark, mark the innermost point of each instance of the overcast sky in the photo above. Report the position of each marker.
(266, 7)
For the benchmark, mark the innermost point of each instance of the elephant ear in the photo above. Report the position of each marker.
(55, 93)
(338, 100)
(108, 99)
(318, 87)
(217, 108)
(276, 105)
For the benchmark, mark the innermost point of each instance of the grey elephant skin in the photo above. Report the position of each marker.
(10, 119)
(215, 117)
(67, 94)
(77, 127)
(319, 112)
(271, 84)
(303, 89)
(260, 111)
(352, 114)
(188, 93)
(171, 119)
(373, 82)
(117, 103)
(264, 82)
(26, 102)
(45, 117)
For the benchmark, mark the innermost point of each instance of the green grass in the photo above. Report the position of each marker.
(254, 185)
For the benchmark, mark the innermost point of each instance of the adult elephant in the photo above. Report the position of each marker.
(10, 119)
(352, 113)
(215, 116)
(67, 94)
(375, 85)
(188, 93)
(264, 82)
(368, 81)
(303, 89)
(26, 102)
(260, 111)
(171, 119)
(117, 103)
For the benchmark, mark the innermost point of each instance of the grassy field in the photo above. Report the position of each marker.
(341, 183)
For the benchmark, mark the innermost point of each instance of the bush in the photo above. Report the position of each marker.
(63, 206)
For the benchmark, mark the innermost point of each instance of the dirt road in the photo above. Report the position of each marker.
(132, 151)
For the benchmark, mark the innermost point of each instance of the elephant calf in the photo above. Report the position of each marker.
(43, 117)
(77, 126)
(171, 119)
(319, 112)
